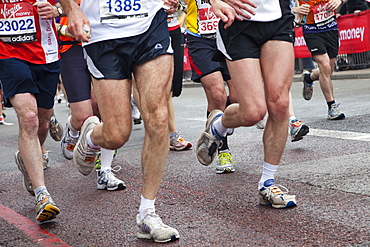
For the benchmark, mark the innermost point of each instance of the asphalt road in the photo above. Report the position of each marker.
(328, 171)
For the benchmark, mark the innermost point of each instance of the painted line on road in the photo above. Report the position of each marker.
(348, 135)
(32, 230)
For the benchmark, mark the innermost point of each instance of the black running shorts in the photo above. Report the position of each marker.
(244, 39)
(114, 59)
(201, 51)
(19, 76)
(323, 42)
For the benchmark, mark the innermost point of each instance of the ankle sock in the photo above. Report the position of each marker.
(89, 141)
(144, 205)
(330, 103)
(268, 172)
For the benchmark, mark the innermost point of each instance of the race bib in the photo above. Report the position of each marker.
(122, 10)
(17, 23)
(321, 15)
(208, 21)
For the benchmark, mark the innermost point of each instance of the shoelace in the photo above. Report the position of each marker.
(109, 174)
(155, 222)
(225, 158)
(274, 189)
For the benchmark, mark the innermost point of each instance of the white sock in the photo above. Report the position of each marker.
(217, 125)
(106, 159)
(72, 132)
(89, 141)
(40, 189)
(267, 173)
(144, 205)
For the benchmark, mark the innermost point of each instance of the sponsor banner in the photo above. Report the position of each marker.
(354, 35)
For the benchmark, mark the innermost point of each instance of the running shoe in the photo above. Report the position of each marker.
(271, 195)
(2, 120)
(224, 163)
(45, 161)
(261, 124)
(107, 180)
(83, 155)
(297, 130)
(208, 143)
(152, 227)
(67, 145)
(136, 116)
(26, 179)
(45, 207)
(55, 129)
(307, 87)
(334, 113)
(177, 143)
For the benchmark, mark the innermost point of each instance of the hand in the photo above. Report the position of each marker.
(46, 10)
(333, 5)
(303, 9)
(243, 8)
(225, 12)
(171, 6)
(78, 23)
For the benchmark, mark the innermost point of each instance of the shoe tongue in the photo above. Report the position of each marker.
(269, 182)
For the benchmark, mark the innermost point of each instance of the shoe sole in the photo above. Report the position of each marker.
(185, 147)
(48, 213)
(206, 154)
(226, 170)
(339, 117)
(26, 178)
(143, 235)
(56, 132)
(301, 133)
(289, 204)
(306, 95)
(84, 167)
(105, 187)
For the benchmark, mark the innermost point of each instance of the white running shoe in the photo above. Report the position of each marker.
(152, 227)
(67, 145)
(136, 116)
(83, 155)
(107, 180)
(271, 194)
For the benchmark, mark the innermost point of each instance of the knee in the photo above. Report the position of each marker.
(116, 139)
(29, 121)
(279, 108)
(251, 116)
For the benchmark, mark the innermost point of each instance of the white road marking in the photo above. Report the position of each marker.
(348, 135)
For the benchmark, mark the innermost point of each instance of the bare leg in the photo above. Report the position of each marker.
(154, 109)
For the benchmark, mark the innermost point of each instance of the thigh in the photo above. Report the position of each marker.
(277, 62)
(153, 82)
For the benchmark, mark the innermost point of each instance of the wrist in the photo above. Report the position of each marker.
(59, 11)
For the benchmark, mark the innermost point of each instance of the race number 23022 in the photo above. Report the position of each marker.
(17, 25)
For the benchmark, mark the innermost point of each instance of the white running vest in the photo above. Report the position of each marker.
(114, 19)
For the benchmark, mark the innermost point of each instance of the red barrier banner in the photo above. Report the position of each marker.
(354, 36)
